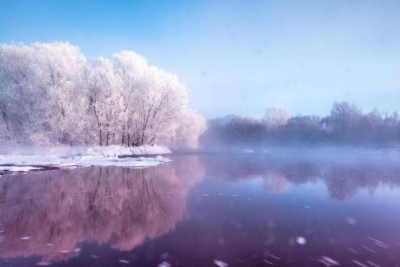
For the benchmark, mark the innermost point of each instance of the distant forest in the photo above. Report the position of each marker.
(346, 125)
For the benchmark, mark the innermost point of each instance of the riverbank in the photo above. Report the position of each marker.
(22, 159)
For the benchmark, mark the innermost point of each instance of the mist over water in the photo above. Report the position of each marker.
(244, 210)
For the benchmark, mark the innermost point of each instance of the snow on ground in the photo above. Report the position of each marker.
(28, 158)
(65, 151)
(18, 168)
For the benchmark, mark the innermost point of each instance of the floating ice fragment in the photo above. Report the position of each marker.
(394, 258)
(49, 245)
(359, 263)
(330, 260)
(324, 262)
(275, 257)
(373, 264)
(220, 263)
(352, 250)
(379, 243)
(164, 264)
(65, 251)
(43, 263)
(77, 250)
(94, 256)
(351, 221)
(301, 240)
(368, 249)
(373, 239)
(25, 238)
(124, 261)
(270, 263)
(382, 245)
(206, 195)
(307, 207)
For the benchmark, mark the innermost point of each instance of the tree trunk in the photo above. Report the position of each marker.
(100, 143)
(5, 118)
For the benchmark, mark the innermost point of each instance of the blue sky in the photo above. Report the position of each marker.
(237, 56)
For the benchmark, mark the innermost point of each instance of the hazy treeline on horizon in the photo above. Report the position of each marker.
(347, 125)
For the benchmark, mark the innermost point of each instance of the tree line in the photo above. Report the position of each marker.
(51, 94)
(346, 125)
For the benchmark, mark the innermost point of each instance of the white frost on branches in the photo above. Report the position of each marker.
(51, 94)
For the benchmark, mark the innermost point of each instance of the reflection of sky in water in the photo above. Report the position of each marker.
(242, 211)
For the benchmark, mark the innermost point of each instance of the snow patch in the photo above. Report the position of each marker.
(18, 168)
(67, 151)
(25, 159)
(115, 151)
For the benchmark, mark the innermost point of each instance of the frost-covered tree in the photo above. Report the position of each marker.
(344, 116)
(18, 95)
(277, 116)
(42, 97)
(105, 101)
(51, 94)
(187, 134)
(58, 71)
(154, 100)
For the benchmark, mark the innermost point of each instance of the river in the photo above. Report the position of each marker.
(208, 210)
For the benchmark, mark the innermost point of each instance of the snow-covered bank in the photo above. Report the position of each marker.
(31, 158)
(66, 151)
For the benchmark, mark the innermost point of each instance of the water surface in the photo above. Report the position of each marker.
(240, 210)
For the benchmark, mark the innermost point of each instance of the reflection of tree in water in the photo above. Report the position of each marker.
(119, 206)
(343, 179)
(344, 183)
(276, 183)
